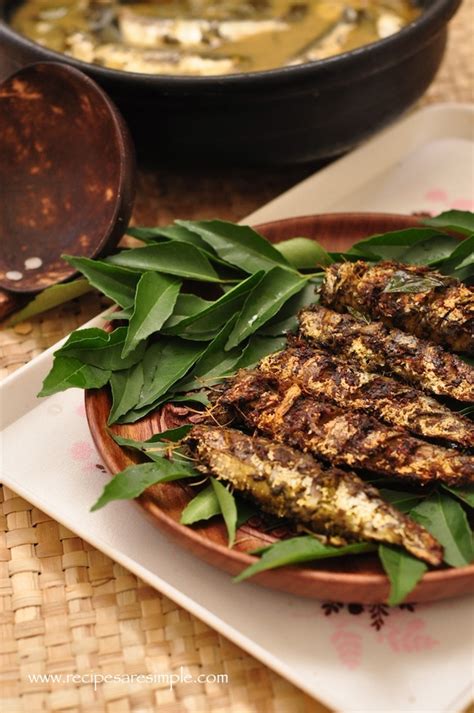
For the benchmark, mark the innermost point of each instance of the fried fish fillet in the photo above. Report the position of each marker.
(348, 438)
(293, 485)
(413, 298)
(323, 375)
(375, 347)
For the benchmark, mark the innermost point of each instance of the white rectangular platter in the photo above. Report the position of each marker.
(416, 660)
(423, 163)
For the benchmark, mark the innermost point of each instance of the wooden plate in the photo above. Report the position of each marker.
(348, 579)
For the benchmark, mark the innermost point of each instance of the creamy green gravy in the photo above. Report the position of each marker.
(198, 37)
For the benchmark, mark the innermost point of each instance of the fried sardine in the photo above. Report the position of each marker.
(293, 485)
(415, 299)
(349, 438)
(323, 375)
(375, 347)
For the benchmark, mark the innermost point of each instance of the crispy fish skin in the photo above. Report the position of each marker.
(320, 374)
(347, 438)
(343, 437)
(291, 484)
(375, 347)
(443, 314)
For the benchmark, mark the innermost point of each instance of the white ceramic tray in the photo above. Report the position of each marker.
(423, 163)
(352, 659)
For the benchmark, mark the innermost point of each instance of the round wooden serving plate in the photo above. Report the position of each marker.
(347, 579)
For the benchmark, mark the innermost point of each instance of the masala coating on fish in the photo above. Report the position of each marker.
(344, 438)
(323, 375)
(375, 347)
(293, 485)
(412, 298)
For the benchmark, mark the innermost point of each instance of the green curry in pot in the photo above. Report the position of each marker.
(199, 37)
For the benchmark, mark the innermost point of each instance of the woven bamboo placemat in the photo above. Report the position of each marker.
(65, 608)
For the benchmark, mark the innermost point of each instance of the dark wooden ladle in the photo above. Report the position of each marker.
(67, 174)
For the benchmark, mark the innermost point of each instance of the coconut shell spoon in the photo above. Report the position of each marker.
(66, 177)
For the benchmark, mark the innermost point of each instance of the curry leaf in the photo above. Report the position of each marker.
(297, 550)
(126, 388)
(286, 319)
(239, 245)
(180, 259)
(446, 520)
(303, 253)
(258, 347)
(118, 315)
(173, 232)
(68, 372)
(463, 251)
(269, 295)
(102, 349)
(184, 235)
(145, 234)
(205, 324)
(131, 482)
(228, 508)
(193, 397)
(49, 298)
(462, 257)
(186, 305)
(88, 335)
(139, 412)
(461, 221)
(403, 501)
(154, 302)
(402, 281)
(204, 506)
(115, 282)
(464, 274)
(465, 494)
(431, 250)
(359, 316)
(180, 234)
(171, 434)
(403, 571)
(391, 246)
(158, 445)
(214, 363)
(164, 363)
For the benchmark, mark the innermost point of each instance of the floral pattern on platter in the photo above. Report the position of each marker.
(443, 201)
(392, 628)
(84, 453)
(377, 612)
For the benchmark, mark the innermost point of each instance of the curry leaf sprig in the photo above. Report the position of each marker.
(175, 341)
(202, 299)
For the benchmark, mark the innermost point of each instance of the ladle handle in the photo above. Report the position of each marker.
(9, 302)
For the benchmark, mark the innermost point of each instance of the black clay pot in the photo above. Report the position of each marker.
(281, 116)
